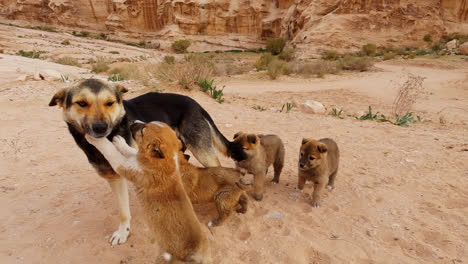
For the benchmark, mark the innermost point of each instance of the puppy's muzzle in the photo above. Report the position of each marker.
(301, 165)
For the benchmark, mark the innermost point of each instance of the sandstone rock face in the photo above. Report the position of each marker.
(341, 24)
(463, 49)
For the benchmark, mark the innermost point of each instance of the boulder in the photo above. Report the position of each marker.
(463, 49)
(313, 107)
(451, 45)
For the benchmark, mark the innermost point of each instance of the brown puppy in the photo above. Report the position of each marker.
(216, 184)
(255, 154)
(318, 163)
(154, 170)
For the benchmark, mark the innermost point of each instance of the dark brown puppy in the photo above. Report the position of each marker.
(155, 171)
(318, 163)
(255, 154)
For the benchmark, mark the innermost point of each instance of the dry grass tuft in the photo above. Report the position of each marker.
(68, 61)
(187, 73)
(407, 95)
(101, 65)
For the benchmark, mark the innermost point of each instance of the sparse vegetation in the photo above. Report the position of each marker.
(330, 55)
(101, 65)
(289, 107)
(263, 62)
(371, 116)
(406, 120)
(30, 54)
(64, 78)
(187, 72)
(66, 42)
(275, 69)
(114, 52)
(43, 28)
(275, 45)
(437, 47)
(207, 86)
(462, 38)
(181, 46)
(354, 63)
(259, 108)
(129, 71)
(318, 68)
(389, 55)
(427, 38)
(408, 93)
(369, 49)
(115, 78)
(66, 60)
(288, 54)
(169, 59)
(337, 113)
(82, 34)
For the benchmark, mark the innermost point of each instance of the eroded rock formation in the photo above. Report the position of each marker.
(336, 23)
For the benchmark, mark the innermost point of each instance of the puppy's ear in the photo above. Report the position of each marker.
(305, 140)
(322, 148)
(59, 98)
(157, 152)
(236, 135)
(253, 139)
(121, 89)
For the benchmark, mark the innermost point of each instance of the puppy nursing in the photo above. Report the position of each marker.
(155, 171)
(318, 163)
(254, 154)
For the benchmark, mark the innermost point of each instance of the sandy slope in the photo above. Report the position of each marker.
(401, 193)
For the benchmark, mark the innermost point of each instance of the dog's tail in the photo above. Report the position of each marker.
(219, 140)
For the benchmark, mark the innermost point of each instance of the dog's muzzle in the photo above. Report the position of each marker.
(99, 129)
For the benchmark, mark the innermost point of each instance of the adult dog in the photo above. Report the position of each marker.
(95, 108)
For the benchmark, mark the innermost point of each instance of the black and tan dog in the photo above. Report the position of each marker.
(92, 107)
(155, 171)
(255, 154)
(318, 163)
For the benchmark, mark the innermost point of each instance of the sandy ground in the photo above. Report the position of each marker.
(401, 194)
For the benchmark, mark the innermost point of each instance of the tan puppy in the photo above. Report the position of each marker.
(216, 184)
(318, 163)
(255, 154)
(154, 170)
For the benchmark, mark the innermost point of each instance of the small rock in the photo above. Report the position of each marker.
(276, 215)
(313, 107)
(451, 45)
(463, 49)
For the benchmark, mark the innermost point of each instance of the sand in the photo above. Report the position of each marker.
(401, 193)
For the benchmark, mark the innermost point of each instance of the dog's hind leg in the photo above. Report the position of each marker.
(278, 165)
(120, 189)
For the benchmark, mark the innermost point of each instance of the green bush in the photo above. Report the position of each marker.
(115, 78)
(169, 59)
(114, 52)
(427, 38)
(330, 55)
(275, 69)
(208, 86)
(101, 65)
(288, 54)
(68, 61)
(275, 45)
(353, 63)
(263, 62)
(389, 55)
(30, 54)
(180, 46)
(369, 49)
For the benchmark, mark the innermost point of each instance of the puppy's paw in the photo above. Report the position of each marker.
(241, 210)
(257, 196)
(330, 187)
(213, 223)
(120, 236)
(119, 141)
(315, 204)
(274, 181)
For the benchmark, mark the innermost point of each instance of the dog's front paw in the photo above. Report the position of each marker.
(330, 187)
(275, 181)
(315, 203)
(120, 236)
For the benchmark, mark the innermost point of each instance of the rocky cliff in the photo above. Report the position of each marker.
(341, 24)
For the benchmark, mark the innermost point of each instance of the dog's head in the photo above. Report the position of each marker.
(243, 146)
(157, 142)
(312, 154)
(91, 106)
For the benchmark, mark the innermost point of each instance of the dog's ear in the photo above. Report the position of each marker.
(157, 152)
(252, 138)
(121, 89)
(236, 135)
(322, 148)
(304, 141)
(59, 98)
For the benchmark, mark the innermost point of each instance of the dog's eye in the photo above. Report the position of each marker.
(110, 103)
(302, 154)
(82, 104)
(311, 158)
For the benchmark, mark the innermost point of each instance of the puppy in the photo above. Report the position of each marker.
(255, 154)
(154, 170)
(318, 163)
(223, 186)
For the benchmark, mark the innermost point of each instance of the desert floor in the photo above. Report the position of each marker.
(401, 192)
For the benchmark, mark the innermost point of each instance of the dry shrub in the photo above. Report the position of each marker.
(275, 69)
(263, 62)
(369, 49)
(354, 63)
(181, 46)
(288, 54)
(187, 72)
(275, 45)
(317, 68)
(407, 95)
(130, 72)
(101, 65)
(330, 55)
(389, 55)
(228, 69)
(67, 61)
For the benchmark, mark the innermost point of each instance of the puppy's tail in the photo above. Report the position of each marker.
(219, 140)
